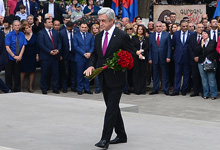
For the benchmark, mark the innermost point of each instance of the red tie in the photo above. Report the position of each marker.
(198, 40)
(52, 39)
(158, 39)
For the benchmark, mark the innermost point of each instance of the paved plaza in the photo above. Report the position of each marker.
(72, 122)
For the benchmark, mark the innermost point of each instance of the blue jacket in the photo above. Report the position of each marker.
(46, 45)
(81, 47)
(181, 52)
(163, 51)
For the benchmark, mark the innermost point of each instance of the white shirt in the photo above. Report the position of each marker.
(28, 3)
(186, 34)
(199, 36)
(2, 8)
(49, 32)
(159, 35)
(83, 34)
(110, 32)
(69, 38)
(216, 34)
(51, 9)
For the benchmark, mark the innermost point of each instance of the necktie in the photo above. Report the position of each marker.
(214, 36)
(71, 40)
(52, 39)
(158, 39)
(183, 38)
(27, 10)
(17, 46)
(105, 44)
(198, 41)
(84, 36)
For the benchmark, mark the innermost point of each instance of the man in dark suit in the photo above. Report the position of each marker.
(52, 8)
(194, 42)
(107, 42)
(181, 56)
(30, 7)
(65, 20)
(83, 46)
(159, 54)
(68, 56)
(50, 46)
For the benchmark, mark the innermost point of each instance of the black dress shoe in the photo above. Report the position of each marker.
(73, 90)
(44, 92)
(194, 94)
(80, 93)
(167, 93)
(102, 144)
(88, 92)
(56, 92)
(64, 91)
(118, 140)
(152, 93)
(184, 93)
(126, 92)
(174, 94)
(97, 91)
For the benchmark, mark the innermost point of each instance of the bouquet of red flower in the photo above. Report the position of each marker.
(121, 61)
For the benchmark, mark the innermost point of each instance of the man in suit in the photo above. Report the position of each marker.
(50, 46)
(84, 46)
(52, 8)
(181, 56)
(65, 20)
(159, 54)
(107, 42)
(67, 63)
(194, 42)
(30, 7)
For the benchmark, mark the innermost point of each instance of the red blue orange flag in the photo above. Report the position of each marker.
(115, 6)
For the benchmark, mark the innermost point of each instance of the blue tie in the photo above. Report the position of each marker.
(27, 10)
(183, 38)
(214, 36)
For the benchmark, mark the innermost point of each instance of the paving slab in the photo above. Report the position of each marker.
(49, 122)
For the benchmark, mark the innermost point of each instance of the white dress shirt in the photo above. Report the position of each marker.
(216, 34)
(28, 3)
(2, 8)
(51, 9)
(186, 34)
(69, 38)
(159, 35)
(49, 32)
(110, 32)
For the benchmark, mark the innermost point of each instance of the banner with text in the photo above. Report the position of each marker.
(194, 12)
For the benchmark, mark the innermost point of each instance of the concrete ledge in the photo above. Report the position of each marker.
(6, 148)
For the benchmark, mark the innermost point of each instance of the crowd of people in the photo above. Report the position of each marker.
(177, 57)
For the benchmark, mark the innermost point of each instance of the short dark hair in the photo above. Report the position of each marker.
(137, 18)
(172, 13)
(69, 24)
(183, 21)
(213, 19)
(45, 20)
(84, 23)
(22, 6)
(185, 18)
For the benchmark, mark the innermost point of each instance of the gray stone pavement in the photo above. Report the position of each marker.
(72, 122)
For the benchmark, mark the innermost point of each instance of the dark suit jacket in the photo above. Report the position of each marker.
(65, 45)
(3, 52)
(46, 45)
(145, 46)
(32, 7)
(163, 51)
(181, 52)
(209, 51)
(119, 40)
(57, 15)
(81, 47)
(192, 48)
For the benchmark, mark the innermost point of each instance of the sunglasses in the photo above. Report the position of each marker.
(129, 29)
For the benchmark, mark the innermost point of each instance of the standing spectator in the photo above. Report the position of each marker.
(182, 58)
(205, 16)
(65, 20)
(164, 27)
(138, 20)
(194, 42)
(1, 23)
(125, 21)
(15, 45)
(140, 42)
(83, 45)
(191, 27)
(135, 25)
(150, 27)
(159, 55)
(72, 8)
(118, 25)
(11, 7)
(35, 28)
(3, 61)
(172, 17)
(7, 27)
(22, 14)
(205, 23)
(50, 46)
(2, 8)
(30, 56)
(207, 55)
(56, 25)
(167, 19)
(30, 8)
(91, 9)
(52, 8)
(77, 14)
(67, 63)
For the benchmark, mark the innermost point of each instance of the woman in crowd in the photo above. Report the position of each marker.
(72, 8)
(7, 27)
(207, 55)
(129, 30)
(95, 30)
(30, 56)
(174, 28)
(141, 42)
(91, 9)
(135, 25)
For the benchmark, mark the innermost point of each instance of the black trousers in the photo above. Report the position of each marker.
(12, 73)
(196, 79)
(113, 118)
